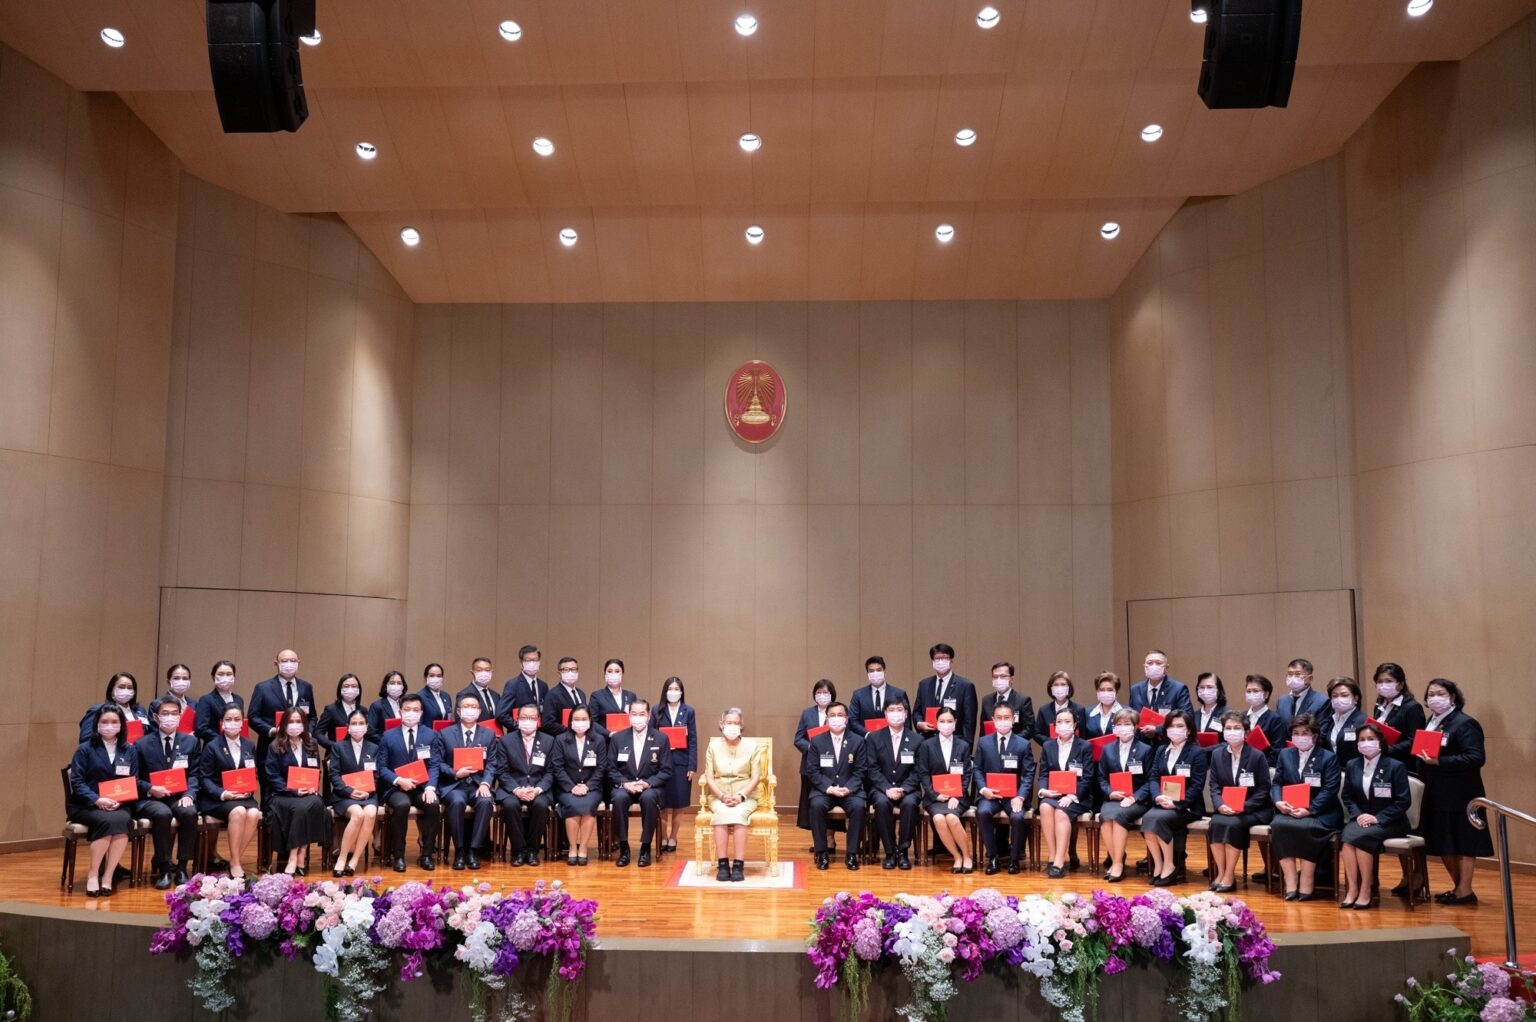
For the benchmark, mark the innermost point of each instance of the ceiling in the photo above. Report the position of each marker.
(857, 103)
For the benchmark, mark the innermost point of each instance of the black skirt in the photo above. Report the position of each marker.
(1453, 834)
(678, 791)
(1303, 838)
(223, 809)
(1126, 816)
(580, 805)
(1233, 830)
(1370, 839)
(941, 808)
(297, 821)
(100, 823)
(341, 805)
(1165, 823)
(1075, 810)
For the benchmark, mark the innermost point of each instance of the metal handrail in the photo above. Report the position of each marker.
(1502, 813)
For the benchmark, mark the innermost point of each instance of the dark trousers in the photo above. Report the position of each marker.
(455, 806)
(887, 825)
(649, 801)
(525, 821)
(986, 818)
(852, 803)
(427, 825)
(160, 813)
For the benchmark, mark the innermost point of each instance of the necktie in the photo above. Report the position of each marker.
(489, 701)
(576, 695)
(288, 688)
(878, 701)
(943, 683)
(1152, 696)
(169, 751)
(469, 737)
(837, 752)
(410, 740)
(1002, 745)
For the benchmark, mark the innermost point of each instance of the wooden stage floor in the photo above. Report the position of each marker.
(640, 903)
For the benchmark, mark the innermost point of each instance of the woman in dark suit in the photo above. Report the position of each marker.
(1058, 696)
(1060, 809)
(1450, 782)
(1300, 834)
(1121, 807)
(238, 809)
(1181, 757)
(1099, 719)
(1376, 800)
(1396, 707)
(1343, 723)
(947, 753)
(1234, 764)
(106, 755)
(359, 807)
(1210, 702)
(578, 766)
(349, 697)
(387, 706)
(299, 818)
(823, 694)
(123, 693)
(672, 710)
(1257, 691)
(210, 708)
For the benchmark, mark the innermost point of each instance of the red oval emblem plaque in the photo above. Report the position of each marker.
(755, 401)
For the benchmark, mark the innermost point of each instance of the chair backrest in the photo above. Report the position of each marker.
(762, 756)
(64, 777)
(1415, 801)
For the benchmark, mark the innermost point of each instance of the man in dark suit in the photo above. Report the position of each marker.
(270, 698)
(436, 702)
(639, 764)
(467, 787)
(481, 689)
(868, 702)
(411, 742)
(1003, 752)
(838, 772)
(1003, 692)
(169, 749)
(525, 777)
(527, 689)
(561, 699)
(1301, 697)
(891, 757)
(1158, 692)
(946, 688)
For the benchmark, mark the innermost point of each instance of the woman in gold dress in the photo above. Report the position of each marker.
(731, 774)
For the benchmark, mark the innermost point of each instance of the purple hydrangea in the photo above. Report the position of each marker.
(868, 939)
(1502, 1009)
(1495, 979)
(258, 920)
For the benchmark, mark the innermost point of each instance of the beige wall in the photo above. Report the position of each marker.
(87, 260)
(942, 475)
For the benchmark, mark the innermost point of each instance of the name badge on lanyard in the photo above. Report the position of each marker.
(1381, 791)
(827, 762)
(1010, 762)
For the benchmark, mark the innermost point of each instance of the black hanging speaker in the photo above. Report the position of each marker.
(1250, 52)
(253, 52)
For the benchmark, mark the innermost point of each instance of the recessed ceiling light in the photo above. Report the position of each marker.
(751, 143)
(754, 235)
(367, 150)
(543, 146)
(945, 233)
(1419, 8)
(746, 24)
(411, 236)
(988, 17)
(1199, 15)
(1110, 231)
(113, 38)
(1151, 133)
(965, 136)
(511, 31)
(567, 236)
(311, 40)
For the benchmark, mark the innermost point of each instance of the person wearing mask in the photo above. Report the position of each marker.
(104, 756)
(1300, 834)
(525, 777)
(386, 708)
(285, 690)
(482, 673)
(894, 783)
(1003, 692)
(639, 764)
(868, 702)
(1376, 798)
(945, 688)
(436, 704)
(465, 790)
(732, 776)
(1300, 696)
(1158, 692)
(1234, 764)
(527, 689)
(580, 756)
(1451, 780)
(1122, 803)
(1003, 752)
(1060, 809)
(178, 683)
(1210, 702)
(1099, 721)
(563, 698)
(411, 742)
(209, 716)
(1257, 690)
(122, 692)
(946, 754)
(299, 818)
(673, 711)
(238, 809)
(1396, 707)
(172, 815)
(1059, 691)
(333, 719)
(838, 772)
(352, 755)
(812, 718)
(1341, 725)
(614, 697)
(1170, 815)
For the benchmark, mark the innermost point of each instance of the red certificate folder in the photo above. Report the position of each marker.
(813, 732)
(1150, 718)
(1427, 743)
(304, 777)
(1234, 798)
(616, 721)
(676, 736)
(188, 721)
(439, 725)
(987, 727)
(415, 770)
(1050, 731)
(931, 716)
(565, 717)
(472, 756)
(875, 724)
(1257, 739)
(245, 728)
(1388, 732)
(1173, 786)
(242, 780)
(133, 731)
(1006, 785)
(1208, 739)
(494, 727)
(119, 789)
(1298, 795)
(1100, 744)
(949, 785)
(362, 779)
(1064, 781)
(341, 733)
(1124, 782)
(173, 781)
(390, 723)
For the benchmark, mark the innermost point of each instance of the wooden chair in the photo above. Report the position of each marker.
(1410, 850)
(1203, 826)
(74, 833)
(765, 819)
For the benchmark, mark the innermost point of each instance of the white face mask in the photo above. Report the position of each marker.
(1177, 734)
(357, 731)
(410, 718)
(1003, 727)
(394, 690)
(350, 694)
(674, 696)
(482, 678)
(1208, 696)
(613, 679)
(168, 724)
(877, 677)
(638, 721)
(435, 682)
(896, 719)
(1439, 704)
(1387, 690)
(288, 668)
(123, 696)
(108, 729)
(295, 729)
(530, 667)
(1065, 730)
(1342, 704)
(569, 677)
(1303, 741)
(946, 728)
(1369, 748)
(823, 699)
(1256, 699)
(223, 682)
(731, 731)
(179, 686)
(941, 666)
(837, 724)
(469, 714)
(580, 726)
(1001, 684)
(232, 727)
(1155, 672)
(1106, 698)
(1233, 737)
(1059, 693)
(527, 726)
(1125, 732)
(1295, 683)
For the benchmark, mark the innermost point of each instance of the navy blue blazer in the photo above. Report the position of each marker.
(1211, 721)
(1023, 713)
(490, 701)
(1192, 763)
(215, 761)
(513, 769)
(521, 691)
(847, 771)
(1079, 758)
(1322, 767)
(392, 754)
(1095, 725)
(687, 758)
(1046, 716)
(883, 770)
(587, 767)
(861, 705)
(151, 753)
(342, 761)
(1344, 745)
(88, 722)
(1276, 731)
(1391, 812)
(268, 701)
(332, 717)
(1136, 761)
(276, 768)
(961, 691)
(1407, 717)
(91, 765)
(1172, 694)
(435, 706)
(210, 711)
(654, 765)
(603, 703)
(441, 767)
(809, 718)
(1311, 701)
(556, 701)
(988, 760)
(1250, 761)
(930, 761)
(1457, 777)
(380, 711)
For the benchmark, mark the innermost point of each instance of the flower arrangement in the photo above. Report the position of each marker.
(1470, 992)
(352, 932)
(1068, 943)
(15, 995)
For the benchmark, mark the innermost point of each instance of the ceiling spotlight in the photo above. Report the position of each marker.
(367, 150)
(567, 236)
(1110, 231)
(543, 146)
(945, 233)
(754, 235)
(311, 40)
(746, 24)
(113, 38)
(1419, 8)
(965, 137)
(1199, 12)
(1151, 133)
(511, 31)
(411, 236)
(988, 17)
(751, 143)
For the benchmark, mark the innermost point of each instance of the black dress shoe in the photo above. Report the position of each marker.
(458, 862)
(1178, 876)
(1013, 866)
(723, 871)
(349, 871)
(531, 858)
(623, 859)
(163, 882)
(1114, 878)
(645, 856)
(1055, 872)
(1470, 899)
(517, 859)
(889, 863)
(1292, 895)
(1400, 891)
(181, 875)
(992, 867)
(472, 861)
(823, 859)
(427, 863)
(1259, 877)
(399, 865)
(902, 862)
(1073, 865)
(852, 862)
(338, 872)
(738, 871)
(120, 873)
(1224, 888)
(581, 860)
